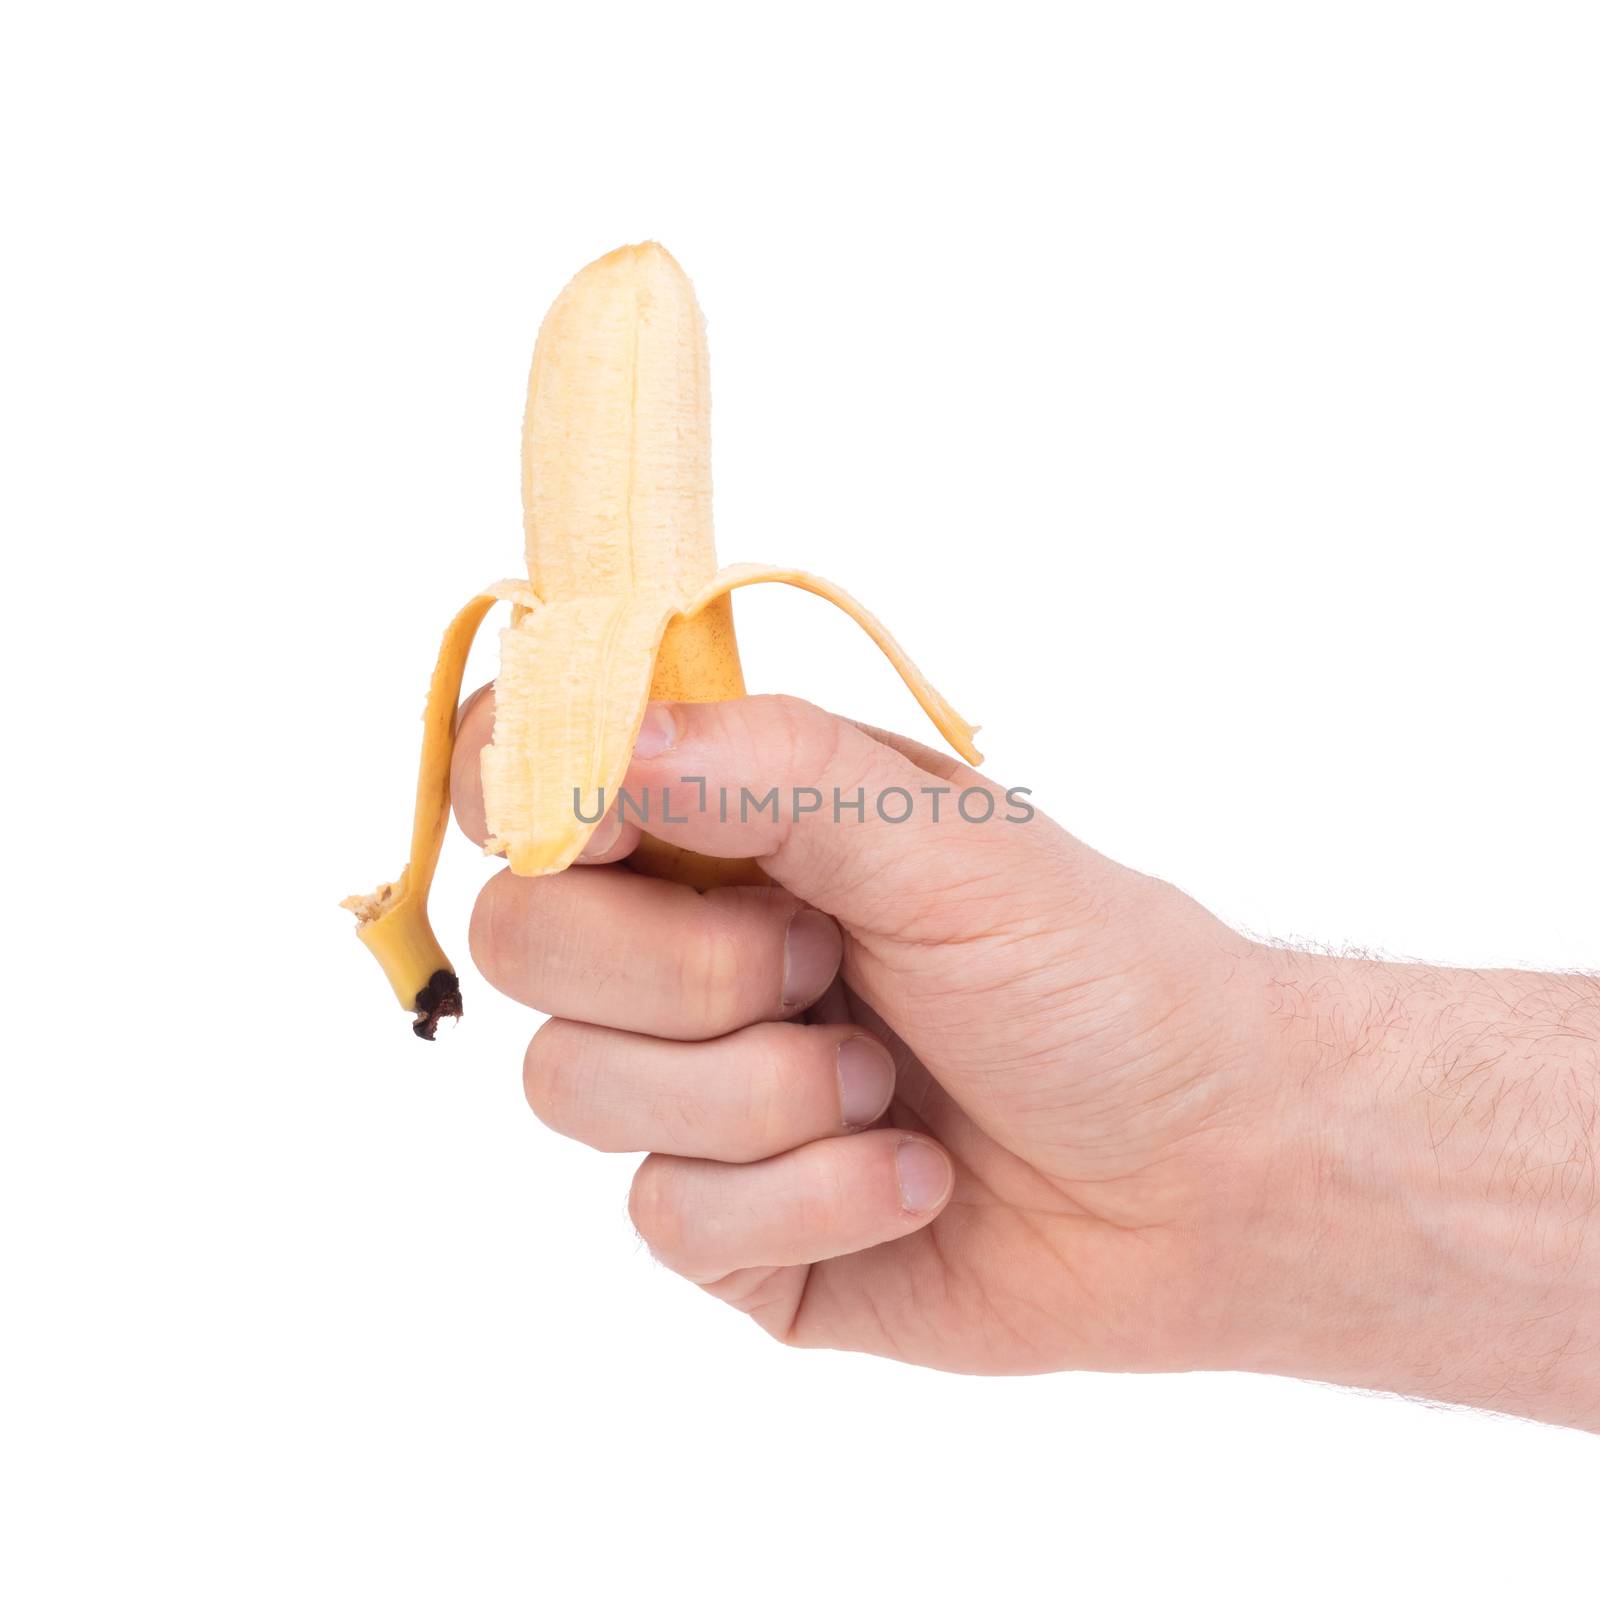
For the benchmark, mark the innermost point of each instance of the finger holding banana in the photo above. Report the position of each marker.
(612, 947)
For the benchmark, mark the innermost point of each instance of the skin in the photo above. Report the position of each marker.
(1106, 1131)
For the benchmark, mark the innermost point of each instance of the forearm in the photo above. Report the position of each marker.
(1437, 1226)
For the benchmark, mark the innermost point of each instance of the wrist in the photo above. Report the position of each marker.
(1430, 1214)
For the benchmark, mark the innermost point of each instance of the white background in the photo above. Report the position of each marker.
(1207, 396)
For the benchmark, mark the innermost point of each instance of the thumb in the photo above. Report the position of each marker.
(835, 816)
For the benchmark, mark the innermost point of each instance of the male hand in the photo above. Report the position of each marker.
(970, 1095)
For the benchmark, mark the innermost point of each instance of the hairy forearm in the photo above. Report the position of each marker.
(1437, 1226)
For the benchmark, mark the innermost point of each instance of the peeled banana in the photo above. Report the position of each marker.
(623, 604)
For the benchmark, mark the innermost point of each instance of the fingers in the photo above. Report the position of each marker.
(612, 839)
(740, 1098)
(613, 948)
(705, 1219)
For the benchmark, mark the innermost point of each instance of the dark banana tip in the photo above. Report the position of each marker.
(440, 997)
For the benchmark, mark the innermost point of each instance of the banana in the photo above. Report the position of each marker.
(623, 604)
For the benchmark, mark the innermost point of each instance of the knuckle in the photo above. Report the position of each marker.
(773, 1090)
(483, 938)
(709, 966)
(652, 1210)
(499, 934)
(550, 1075)
(824, 1208)
(808, 737)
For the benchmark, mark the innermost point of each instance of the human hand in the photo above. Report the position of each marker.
(1070, 1047)
(969, 1094)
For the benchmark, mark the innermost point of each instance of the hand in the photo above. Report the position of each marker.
(966, 1094)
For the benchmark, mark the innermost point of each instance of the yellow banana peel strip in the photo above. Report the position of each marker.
(944, 716)
(392, 921)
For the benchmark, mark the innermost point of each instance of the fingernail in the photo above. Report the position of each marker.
(658, 733)
(924, 1175)
(607, 831)
(866, 1080)
(810, 956)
